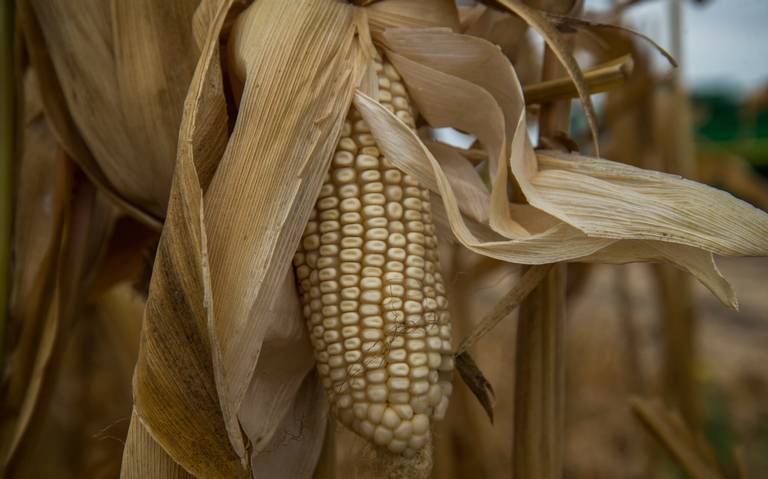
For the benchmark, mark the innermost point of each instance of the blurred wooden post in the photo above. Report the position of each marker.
(537, 449)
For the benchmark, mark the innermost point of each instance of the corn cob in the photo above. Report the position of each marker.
(371, 288)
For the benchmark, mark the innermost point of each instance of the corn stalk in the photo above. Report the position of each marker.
(539, 365)
(675, 287)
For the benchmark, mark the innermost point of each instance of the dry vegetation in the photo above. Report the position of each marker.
(167, 167)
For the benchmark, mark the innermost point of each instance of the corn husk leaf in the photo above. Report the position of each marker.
(175, 389)
(144, 457)
(476, 381)
(295, 449)
(177, 378)
(555, 42)
(260, 197)
(407, 13)
(60, 118)
(636, 200)
(278, 377)
(506, 31)
(445, 86)
(122, 75)
(566, 21)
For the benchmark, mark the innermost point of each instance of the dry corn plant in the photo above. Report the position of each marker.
(281, 150)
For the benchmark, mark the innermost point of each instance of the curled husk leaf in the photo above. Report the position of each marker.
(578, 208)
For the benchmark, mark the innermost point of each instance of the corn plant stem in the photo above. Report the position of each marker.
(537, 449)
(7, 148)
(631, 347)
(601, 78)
(674, 285)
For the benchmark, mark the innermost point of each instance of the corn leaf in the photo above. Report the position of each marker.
(554, 41)
(278, 376)
(613, 200)
(476, 381)
(175, 390)
(60, 118)
(446, 89)
(261, 195)
(295, 449)
(144, 457)
(407, 13)
(123, 75)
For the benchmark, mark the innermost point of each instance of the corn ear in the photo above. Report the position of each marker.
(372, 291)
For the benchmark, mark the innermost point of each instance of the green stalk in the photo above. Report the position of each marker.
(7, 144)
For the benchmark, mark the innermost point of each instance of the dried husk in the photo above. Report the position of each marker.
(175, 389)
(675, 212)
(176, 381)
(261, 191)
(116, 80)
(261, 195)
(294, 450)
(144, 457)
(407, 13)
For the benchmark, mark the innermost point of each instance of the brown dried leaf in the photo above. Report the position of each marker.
(122, 75)
(407, 13)
(263, 190)
(553, 39)
(175, 389)
(60, 118)
(42, 201)
(476, 382)
(144, 457)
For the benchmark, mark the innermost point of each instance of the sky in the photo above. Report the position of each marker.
(725, 42)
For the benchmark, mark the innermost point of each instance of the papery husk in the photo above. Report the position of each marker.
(316, 115)
(278, 376)
(443, 80)
(295, 449)
(552, 37)
(60, 118)
(266, 183)
(177, 377)
(635, 199)
(175, 389)
(500, 28)
(407, 13)
(117, 77)
(144, 457)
